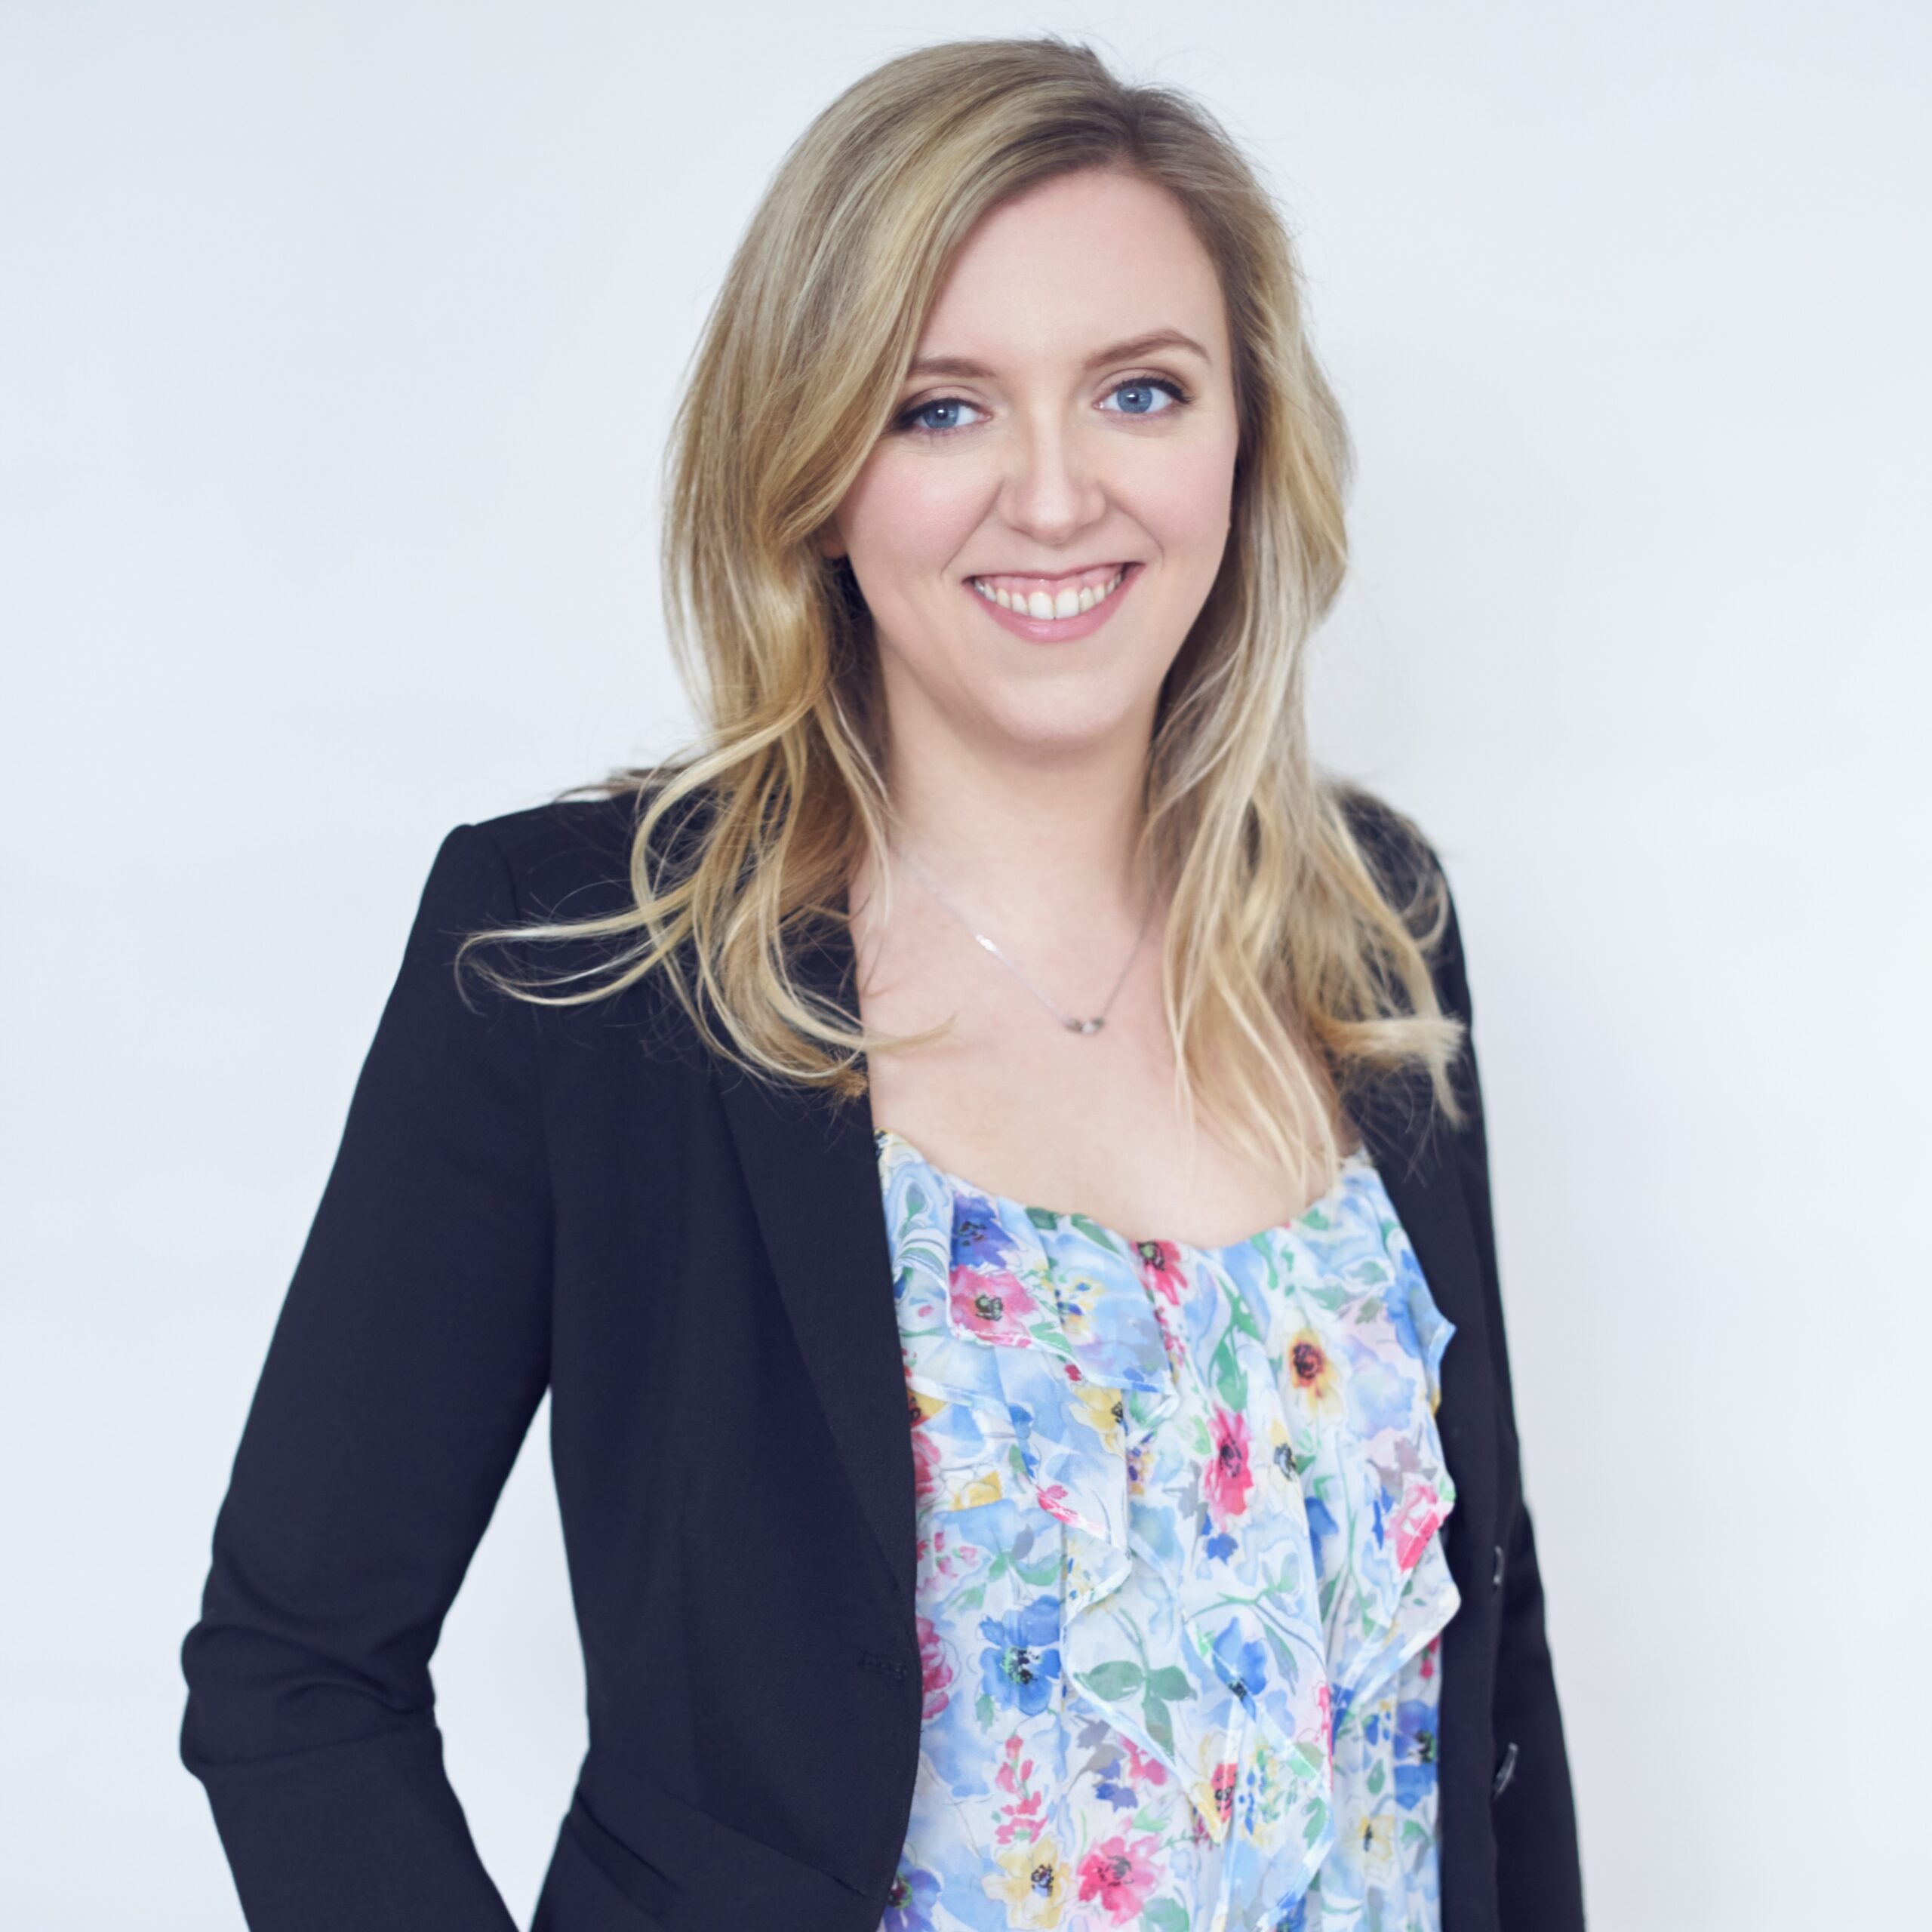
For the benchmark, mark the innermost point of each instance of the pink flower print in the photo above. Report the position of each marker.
(1022, 1818)
(926, 1458)
(993, 1305)
(1142, 1770)
(1426, 1669)
(1160, 1268)
(1120, 1875)
(1053, 1500)
(934, 1670)
(1228, 1477)
(1176, 1349)
(1419, 1518)
(1324, 1708)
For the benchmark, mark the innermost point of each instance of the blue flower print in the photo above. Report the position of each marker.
(1380, 1398)
(1219, 1544)
(980, 1238)
(1401, 1317)
(1322, 1527)
(913, 1890)
(1020, 1665)
(1243, 1666)
(1415, 1753)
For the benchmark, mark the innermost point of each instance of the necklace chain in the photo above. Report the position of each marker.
(1065, 1019)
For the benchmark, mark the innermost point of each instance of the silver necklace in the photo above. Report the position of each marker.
(1065, 1018)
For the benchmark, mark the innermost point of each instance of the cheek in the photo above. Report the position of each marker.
(1185, 501)
(909, 516)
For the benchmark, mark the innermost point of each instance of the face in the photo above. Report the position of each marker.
(1068, 424)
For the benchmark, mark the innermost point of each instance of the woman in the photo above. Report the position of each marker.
(1045, 1548)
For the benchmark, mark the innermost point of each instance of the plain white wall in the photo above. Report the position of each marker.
(337, 345)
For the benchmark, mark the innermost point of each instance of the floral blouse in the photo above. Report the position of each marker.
(1180, 1588)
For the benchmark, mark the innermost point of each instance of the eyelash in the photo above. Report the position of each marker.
(906, 422)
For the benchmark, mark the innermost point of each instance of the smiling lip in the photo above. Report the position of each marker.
(1055, 630)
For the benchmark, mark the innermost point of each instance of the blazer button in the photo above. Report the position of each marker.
(1505, 1770)
(1496, 1570)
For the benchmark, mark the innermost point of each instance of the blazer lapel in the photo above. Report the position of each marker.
(812, 1168)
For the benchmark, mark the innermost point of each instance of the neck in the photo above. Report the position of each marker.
(1050, 840)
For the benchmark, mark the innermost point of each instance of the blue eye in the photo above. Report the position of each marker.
(1147, 387)
(1142, 389)
(910, 421)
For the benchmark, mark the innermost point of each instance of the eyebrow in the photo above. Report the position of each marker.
(1133, 350)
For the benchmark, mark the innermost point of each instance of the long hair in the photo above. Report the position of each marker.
(1285, 936)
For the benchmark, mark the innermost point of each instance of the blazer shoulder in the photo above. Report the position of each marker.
(1414, 881)
(570, 858)
(1406, 864)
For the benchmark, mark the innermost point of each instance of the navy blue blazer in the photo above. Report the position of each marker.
(694, 1263)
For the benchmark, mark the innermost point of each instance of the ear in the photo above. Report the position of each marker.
(829, 547)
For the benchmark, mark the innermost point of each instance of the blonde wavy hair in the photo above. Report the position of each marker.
(1284, 935)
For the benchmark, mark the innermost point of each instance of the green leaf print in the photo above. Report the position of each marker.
(1230, 1379)
(1120, 1678)
(1093, 1230)
(1242, 1315)
(1170, 1683)
(1160, 1726)
(982, 1710)
(1164, 1915)
(1043, 1574)
(1044, 1217)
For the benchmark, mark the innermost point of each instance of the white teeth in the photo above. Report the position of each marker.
(1038, 604)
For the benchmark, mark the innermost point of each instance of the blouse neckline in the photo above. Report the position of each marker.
(1312, 1219)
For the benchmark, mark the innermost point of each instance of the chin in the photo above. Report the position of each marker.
(1067, 721)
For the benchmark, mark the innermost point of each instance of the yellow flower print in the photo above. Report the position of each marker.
(1213, 1796)
(1280, 1455)
(981, 1489)
(1033, 1883)
(1311, 1373)
(1076, 1295)
(1375, 1839)
(1104, 1411)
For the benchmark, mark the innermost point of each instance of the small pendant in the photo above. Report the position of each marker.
(1085, 1026)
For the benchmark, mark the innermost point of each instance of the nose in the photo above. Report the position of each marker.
(1053, 488)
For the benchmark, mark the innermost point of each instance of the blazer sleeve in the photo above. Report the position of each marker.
(1539, 1873)
(409, 1355)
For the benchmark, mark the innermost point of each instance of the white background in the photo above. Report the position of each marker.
(338, 344)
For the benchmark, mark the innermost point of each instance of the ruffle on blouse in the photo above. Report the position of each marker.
(1225, 1627)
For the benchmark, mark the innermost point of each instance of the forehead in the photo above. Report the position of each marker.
(1068, 269)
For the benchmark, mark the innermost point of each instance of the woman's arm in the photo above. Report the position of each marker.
(410, 1353)
(1539, 1879)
